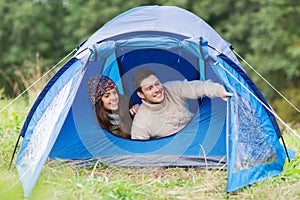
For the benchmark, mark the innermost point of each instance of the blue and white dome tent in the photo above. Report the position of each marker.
(240, 134)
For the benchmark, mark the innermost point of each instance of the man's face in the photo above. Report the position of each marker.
(152, 90)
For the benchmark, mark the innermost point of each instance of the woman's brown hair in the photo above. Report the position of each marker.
(123, 111)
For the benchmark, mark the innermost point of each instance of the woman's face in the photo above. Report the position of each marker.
(110, 99)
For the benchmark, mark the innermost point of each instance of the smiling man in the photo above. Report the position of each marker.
(164, 109)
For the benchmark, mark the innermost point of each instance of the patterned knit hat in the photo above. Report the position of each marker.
(97, 86)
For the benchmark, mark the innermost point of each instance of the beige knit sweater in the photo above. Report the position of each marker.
(170, 116)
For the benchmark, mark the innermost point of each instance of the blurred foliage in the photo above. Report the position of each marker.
(36, 34)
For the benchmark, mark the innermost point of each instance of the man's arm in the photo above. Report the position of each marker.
(139, 133)
(195, 89)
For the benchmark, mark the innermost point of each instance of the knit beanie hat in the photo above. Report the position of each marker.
(97, 86)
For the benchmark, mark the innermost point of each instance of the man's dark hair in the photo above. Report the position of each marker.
(139, 76)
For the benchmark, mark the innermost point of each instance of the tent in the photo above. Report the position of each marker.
(241, 134)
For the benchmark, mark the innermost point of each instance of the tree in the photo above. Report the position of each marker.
(33, 30)
(265, 33)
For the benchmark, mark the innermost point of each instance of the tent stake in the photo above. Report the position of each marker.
(13, 155)
(287, 154)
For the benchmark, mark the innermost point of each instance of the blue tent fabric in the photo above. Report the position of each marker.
(44, 126)
(241, 133)
(44, 92)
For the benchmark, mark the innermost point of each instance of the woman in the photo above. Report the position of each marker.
(114, 112)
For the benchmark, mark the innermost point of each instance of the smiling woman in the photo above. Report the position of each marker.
(111, 109)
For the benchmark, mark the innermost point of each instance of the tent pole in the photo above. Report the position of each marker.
(13, 155)
(228, 125)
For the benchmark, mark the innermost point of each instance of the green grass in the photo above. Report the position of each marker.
(60, 181)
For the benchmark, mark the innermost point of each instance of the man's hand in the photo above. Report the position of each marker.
(134, 109)
(223, 94)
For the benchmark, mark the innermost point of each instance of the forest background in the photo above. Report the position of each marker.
(36, 34)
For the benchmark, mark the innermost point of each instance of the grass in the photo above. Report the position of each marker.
(61, 181)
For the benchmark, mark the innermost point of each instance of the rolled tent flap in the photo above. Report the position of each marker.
(103, 50)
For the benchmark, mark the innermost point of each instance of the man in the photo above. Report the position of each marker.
(164, 111)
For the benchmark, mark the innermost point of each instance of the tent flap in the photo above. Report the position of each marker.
(45, 125)
(254, 149)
